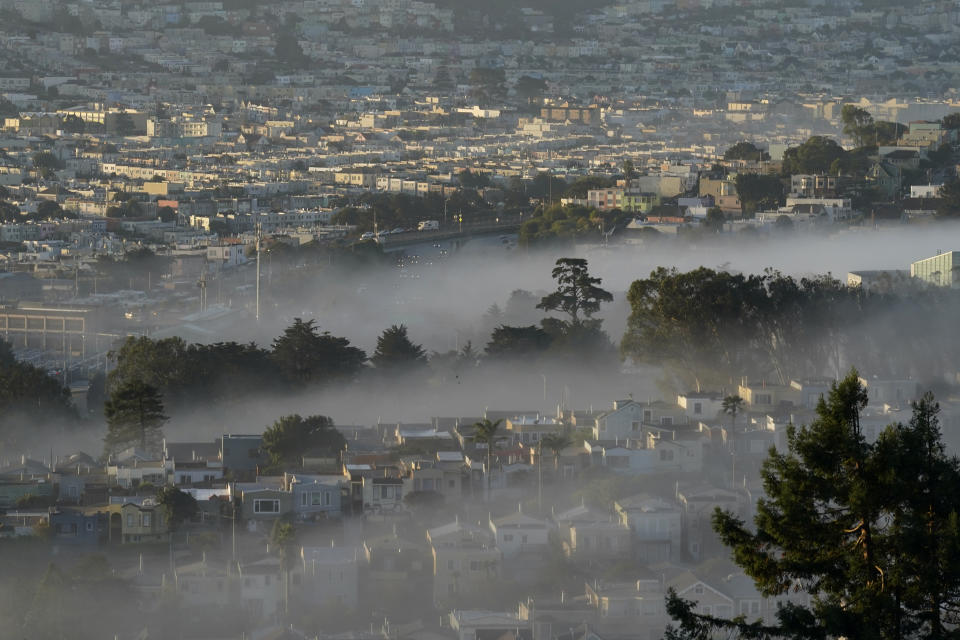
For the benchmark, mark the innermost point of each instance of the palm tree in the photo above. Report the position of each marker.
(486, 431)
(556, 442)
(732, 405)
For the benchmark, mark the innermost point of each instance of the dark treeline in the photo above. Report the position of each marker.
(710, 328)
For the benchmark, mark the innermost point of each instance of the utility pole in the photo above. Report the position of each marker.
(257, 244)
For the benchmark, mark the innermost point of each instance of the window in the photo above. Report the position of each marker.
(266, 506)
(508, 537)
(90, 526)
(636, 426)
(326, 498)
(146, 519)
(762, 398)
(303, 499)
(666, 455)
(698, 589)
(129, 519)
(647, 415)
(666, 421)
(697, 408)
(319, 498)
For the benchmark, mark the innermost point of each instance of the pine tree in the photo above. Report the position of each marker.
(135, 416)
(396, 352)
(869, 530)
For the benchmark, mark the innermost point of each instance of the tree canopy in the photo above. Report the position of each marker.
(865, 528)
(396, 352)
(287, 439)
(134, 413)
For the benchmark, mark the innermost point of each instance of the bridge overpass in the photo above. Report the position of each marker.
(509, 223)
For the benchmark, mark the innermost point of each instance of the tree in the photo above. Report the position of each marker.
(949, 204)
(816, 155)
(486, 431)
(396, 353)
(865, 529)
(856, 122)
(49, 210)
(287, 439)
(283, 537)
(530, 88)
(577, 291)
(73, 124)
(134, 413)
(732, 405)
(746, 151)
(556, 443)
(47, 161)
(124, 125)
(178, 506)
(715, 219)
(517, 342)
(304, 355)
(951, 121)
(758, 192)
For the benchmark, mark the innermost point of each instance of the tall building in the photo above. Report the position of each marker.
(942, 270)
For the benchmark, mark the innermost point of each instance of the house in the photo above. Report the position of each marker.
(443, 474)
(657, 526)
(316, 497)
(700, 406)
(519, 533)
(811, 390)
(890, 391)
(143, 522)
(628, 417)
(488, 625)
(242, 453)
(261, 588)
(709, 600)
(395, 565)
(765, 397)
(466, 561)
(331, 576)
(262, 500)
(206, 585)
(634, 609)
(587, 534)
(78, 527)
(698, 505)
(941, 270)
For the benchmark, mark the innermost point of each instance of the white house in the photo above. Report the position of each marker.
(519, 532)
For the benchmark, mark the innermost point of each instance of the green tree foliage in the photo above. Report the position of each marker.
(948, 206)
(556, 443)
(49, 210)
(485, 431)
(305, 355)
(816, 155)
(73, 124)
(565, 223)
(577, 291)
(758, 192)
(8, 109)
(865, 528)
(580, 186)
(517, 343)
(856, 122)
(30, 400)
(124, 125)
(489, 85)
(530, 88)
(745, 151)
(707, 325)
(732, 405)
(287, 439)
(46, 160)
(396, 353)
(715, 219)
(951, 121)
(178, 506)
(473, 179)
(134, 413)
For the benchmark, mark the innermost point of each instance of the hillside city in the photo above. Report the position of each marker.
(198, 198)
